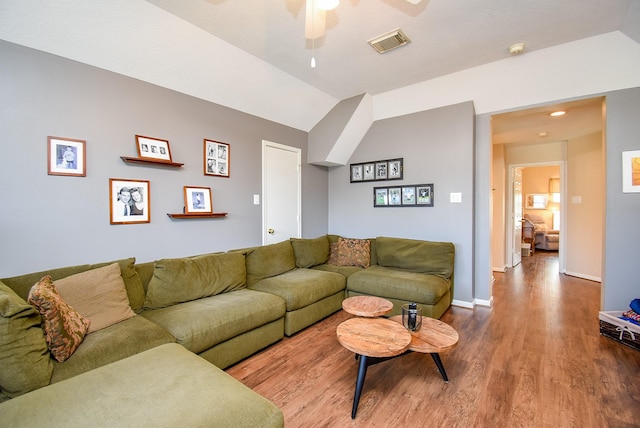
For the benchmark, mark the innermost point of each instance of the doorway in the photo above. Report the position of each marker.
(281, 192)
(575, 141)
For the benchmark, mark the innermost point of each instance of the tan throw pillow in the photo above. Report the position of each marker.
(64, 328)
(350, 252)
(98, 295)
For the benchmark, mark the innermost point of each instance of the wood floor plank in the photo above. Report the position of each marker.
(536, 359)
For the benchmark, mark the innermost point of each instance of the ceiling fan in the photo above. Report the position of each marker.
(315, 18)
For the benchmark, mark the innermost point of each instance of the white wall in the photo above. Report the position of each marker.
(585, 218)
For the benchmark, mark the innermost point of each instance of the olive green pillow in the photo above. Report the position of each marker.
(310, 252)
(436, 258)
(269, 260)
(184, 279)
(24, 356)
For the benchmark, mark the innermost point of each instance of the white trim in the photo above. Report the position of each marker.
(485, 303)
(499, 269)
(583, 276)
(463, 304)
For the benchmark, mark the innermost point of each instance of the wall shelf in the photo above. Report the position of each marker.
(193, 216)
(150, 162)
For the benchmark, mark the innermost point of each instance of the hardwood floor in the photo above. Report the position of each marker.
(536, 359)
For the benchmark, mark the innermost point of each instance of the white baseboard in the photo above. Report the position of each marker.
(497, 269)
(486, 303)
(463, 304)
(583, 276)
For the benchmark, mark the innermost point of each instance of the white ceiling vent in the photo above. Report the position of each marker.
(391, 40)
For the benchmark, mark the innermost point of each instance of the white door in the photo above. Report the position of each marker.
(517, 216)
(281, 193)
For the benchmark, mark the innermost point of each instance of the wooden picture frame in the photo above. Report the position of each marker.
(536, 201)
(217, 158)
(129, 201)
(389, 169)
(631, 171)
(412, 195)
(66, 156)
(197, 200)
(153, 148)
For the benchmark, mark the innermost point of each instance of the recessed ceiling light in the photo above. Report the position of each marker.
(543, 134)
(558, 113)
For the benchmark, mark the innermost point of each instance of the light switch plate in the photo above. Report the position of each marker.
(256, 199)
(455, 198)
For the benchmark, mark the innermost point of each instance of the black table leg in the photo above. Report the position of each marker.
(438, 361)
(362, 372)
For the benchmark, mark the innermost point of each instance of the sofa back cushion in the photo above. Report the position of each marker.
(269, 260)
(184, 279)
(23, 283)
(98, 294)
(25, 364)
(414, 255)
(310, 252)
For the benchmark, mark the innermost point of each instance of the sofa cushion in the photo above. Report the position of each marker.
(22, 284)
(200, 324)
(302, 287)
(413, 255)
(185, 279)
(98, 295)
(110, 344)
(399, 285)
(350, 252)
(167, 386)
(64, 328)
(269, 260)
(24, 356)
(310, 252)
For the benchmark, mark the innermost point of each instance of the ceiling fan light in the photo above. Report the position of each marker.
(327, 4)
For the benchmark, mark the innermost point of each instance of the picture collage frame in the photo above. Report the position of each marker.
(413, 195)
(382, 170)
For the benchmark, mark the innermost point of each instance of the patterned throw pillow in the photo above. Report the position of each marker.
(350, 252)
(64, 328)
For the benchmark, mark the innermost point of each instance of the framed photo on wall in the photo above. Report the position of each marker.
(197, 200)
(413, 195)
(390, 169)
(153, 148)
(536, 201)
(631, 171)
(129, 201)
(66, 156)
(217, 158)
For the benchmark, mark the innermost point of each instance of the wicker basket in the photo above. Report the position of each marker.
(621, 331)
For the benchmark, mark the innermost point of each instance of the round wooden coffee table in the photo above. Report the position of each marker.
(367, 306)
(371, 338)
(434, 337)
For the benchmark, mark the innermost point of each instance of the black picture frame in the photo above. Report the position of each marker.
(412, 195)
(381, 170)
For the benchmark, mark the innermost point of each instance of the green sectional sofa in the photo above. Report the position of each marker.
(209, 311)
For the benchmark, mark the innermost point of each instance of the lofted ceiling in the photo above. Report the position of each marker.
(446, 36)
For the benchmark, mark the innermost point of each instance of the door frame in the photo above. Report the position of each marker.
(562, 267)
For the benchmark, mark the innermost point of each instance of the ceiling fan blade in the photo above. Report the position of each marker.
(315, 21)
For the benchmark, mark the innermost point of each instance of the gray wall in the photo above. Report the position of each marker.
(51, 221)
(622, 233)
(437, 147)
